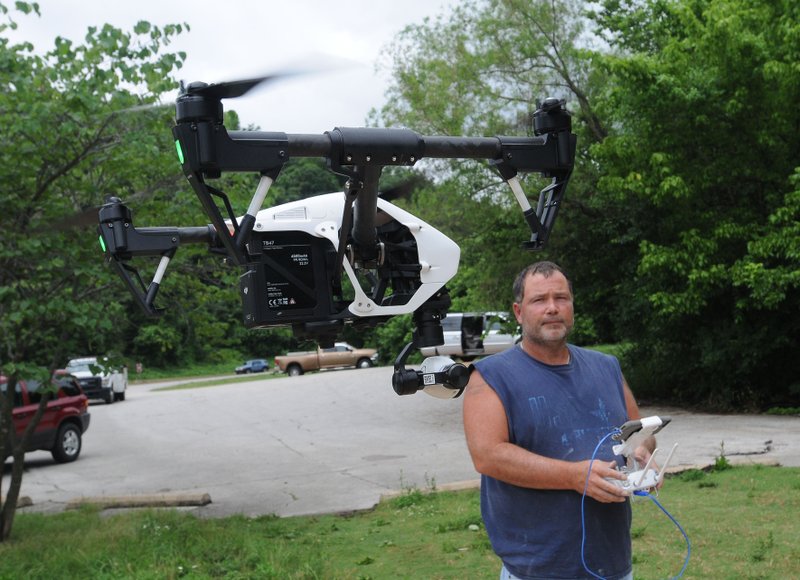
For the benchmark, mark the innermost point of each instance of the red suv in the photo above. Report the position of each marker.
(63, 423)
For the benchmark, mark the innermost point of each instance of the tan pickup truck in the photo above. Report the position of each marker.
(340, 355)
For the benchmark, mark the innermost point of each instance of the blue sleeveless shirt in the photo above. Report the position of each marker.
(562, 412)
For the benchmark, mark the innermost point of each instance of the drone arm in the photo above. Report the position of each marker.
(555, 159)
(207, 149)
(122, 241)
(161, 242)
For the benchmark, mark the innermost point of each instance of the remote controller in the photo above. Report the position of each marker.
(632, 435)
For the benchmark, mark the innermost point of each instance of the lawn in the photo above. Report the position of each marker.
(742, 523)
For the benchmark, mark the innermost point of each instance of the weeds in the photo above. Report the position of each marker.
(764, 546)
(721, 463)
(783, 411)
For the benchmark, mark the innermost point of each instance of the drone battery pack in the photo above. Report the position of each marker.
(287, 282)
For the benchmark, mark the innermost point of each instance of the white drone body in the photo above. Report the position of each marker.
(321, 216)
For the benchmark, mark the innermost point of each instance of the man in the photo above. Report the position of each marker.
(533, 417)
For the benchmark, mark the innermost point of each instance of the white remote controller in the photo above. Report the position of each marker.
(643, 479)
(632, 435)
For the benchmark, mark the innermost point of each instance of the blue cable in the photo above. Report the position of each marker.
(639, 493)
(643, 493)
(583, 500)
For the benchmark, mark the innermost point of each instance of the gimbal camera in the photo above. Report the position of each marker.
(349, 257)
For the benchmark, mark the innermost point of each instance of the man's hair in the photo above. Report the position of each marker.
(544, 268)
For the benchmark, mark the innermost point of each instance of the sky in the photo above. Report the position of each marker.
(248, 38)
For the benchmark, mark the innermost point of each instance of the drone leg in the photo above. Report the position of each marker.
(260, 195)
(249, 219)
(531, 217)
(152, 290)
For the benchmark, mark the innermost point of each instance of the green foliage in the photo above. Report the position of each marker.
(65, 145)
(304, 177)
(705, 155)
(66, 141)
(392, 336)
(783, 411)
(159, 344)
(721, 462)
(680, 225)
(481, 71)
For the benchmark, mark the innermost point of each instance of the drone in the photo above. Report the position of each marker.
(344, 258)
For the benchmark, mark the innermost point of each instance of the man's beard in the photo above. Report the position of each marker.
(543, 337)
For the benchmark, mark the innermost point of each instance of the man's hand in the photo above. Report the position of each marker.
(599, 488)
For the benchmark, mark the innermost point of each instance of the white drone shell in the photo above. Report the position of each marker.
(321, 216)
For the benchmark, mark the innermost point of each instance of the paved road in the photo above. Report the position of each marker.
(324, 442)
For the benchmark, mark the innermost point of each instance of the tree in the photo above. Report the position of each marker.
(481, 71)
(66, 143)
(678, 224)
(704, 152)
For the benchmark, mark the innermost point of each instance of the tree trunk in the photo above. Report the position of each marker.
(9, 506)
(17, 446)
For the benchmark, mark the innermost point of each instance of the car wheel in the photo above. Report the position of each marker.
(294, 371)
(363, 363)
(68, 444)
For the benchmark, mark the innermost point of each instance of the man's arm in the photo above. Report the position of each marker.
(486, 430)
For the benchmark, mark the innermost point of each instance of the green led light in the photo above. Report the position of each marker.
(102, 244)
(180, 151)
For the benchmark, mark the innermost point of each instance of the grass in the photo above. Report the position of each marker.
(617, 349)
(742, 523)
(216, 382)
(184, 372)
(783, 411)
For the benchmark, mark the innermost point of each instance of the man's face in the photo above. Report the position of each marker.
(545, 313)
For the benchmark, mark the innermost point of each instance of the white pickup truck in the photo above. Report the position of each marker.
(468, 335)
(98, 379)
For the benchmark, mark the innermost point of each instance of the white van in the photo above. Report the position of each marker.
(468, 335)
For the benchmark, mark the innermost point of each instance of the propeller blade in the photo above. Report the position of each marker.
(237, 88)
(82, 219)
(146, 107)
(86, 218)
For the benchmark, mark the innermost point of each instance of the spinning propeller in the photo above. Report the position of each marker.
(232, 89)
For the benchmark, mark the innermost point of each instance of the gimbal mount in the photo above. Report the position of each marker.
(294, 255)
